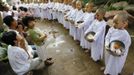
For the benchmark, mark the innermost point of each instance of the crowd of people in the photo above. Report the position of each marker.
(89, 28)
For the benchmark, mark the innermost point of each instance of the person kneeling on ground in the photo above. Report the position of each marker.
(19, 58)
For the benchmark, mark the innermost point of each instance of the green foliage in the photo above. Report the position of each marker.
(3, 53)
(114, 1)
(108, 8)
(86, 1)
(98, 2)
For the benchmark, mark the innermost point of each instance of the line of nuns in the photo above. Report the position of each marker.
(90, 30)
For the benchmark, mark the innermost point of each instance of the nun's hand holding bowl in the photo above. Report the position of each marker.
(116, 48)
(90, 36)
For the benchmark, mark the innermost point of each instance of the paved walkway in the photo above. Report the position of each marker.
(69, 57)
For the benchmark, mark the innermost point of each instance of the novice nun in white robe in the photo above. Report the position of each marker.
(87, 20)
(98, 44)
(50, 5)
(49, 14)
(55, 8)
(115, 64)
(37, 10)
(78, 17)
(65, 10)
(61, 14)
(59, 11)
(70, 17)
(67, 23)
(34, 10)
(78, 14)
(42, 6)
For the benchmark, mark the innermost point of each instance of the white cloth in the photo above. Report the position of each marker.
(66, 23)
(59, 13)
(41, 52)
(70, 16)
(35, 63)
(87, 20)
(7, 13)
(50, 5)
(72, 28)
(98, 44)
(19, 60)
(78, 17)
(16, 14)
(54, 10)
(115, 64)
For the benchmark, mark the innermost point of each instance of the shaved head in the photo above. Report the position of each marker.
(121, 17)
(90, 4)
(120, 20)
(101, 11)
(79, 4)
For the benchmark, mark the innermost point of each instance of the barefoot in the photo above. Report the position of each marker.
(48, 62)
(102, 68)
(49, 58)
(86, 51)
(30, 73)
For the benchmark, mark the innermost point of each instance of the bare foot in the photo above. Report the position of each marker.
(49, 58)
(102, 68)
(30, 73)
(86, 51)
(48, 62)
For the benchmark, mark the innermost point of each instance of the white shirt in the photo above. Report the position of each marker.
(16, 14)
(7, 13)
(19, 59)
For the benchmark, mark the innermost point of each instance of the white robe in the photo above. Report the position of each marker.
(42, 11)
(54, 12)
(87, 20)
(78, 17)
(8, 13)
(66, 23)
(98, 44)
(16, 14)
(50, 6)
(59, 14)
(70, 17)
(64, 10)
(74, 17)
(31, 9)
(115, 64)
(34, 14)
(37, 10)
